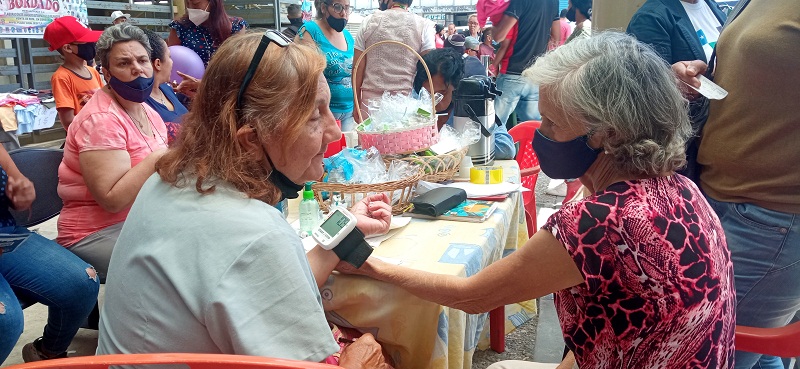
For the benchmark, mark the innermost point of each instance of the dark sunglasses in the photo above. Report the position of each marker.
(269, 36)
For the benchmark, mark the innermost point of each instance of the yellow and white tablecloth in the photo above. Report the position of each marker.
(421, 334)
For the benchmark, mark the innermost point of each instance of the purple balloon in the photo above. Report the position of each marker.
(186, 61)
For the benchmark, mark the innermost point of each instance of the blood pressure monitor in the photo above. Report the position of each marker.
(334, 228)
(338, 232)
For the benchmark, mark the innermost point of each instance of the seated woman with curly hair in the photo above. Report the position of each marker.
(640, 268)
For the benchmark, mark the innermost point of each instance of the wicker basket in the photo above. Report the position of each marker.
(352, 193)
(402, 141)
(437, 168)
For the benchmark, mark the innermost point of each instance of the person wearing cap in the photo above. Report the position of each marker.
(118, 17)
(73, 82)
(472, 66)
(472, 46)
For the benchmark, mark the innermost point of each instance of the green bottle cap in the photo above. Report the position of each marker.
(308, 194)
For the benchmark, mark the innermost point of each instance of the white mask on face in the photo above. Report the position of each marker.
(197, 16)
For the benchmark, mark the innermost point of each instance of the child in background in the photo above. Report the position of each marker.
(73, 82)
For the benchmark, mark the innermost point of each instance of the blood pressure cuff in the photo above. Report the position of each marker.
(353, 249)
(438, 200)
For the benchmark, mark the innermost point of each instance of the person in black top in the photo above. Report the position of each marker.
(295, 15)
(538, 23)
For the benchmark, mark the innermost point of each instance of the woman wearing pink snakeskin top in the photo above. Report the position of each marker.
(389, 67)
(640, 269)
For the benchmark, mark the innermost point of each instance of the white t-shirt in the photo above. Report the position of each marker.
(216, 273)
(392, 67)
(704, 23)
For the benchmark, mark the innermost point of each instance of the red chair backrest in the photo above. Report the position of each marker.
(194, 361)
(523, 133)
(781, 342)
(335, 147)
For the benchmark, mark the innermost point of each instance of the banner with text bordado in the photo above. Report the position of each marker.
(28, 18)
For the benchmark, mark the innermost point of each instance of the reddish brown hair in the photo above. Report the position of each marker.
(278, 102)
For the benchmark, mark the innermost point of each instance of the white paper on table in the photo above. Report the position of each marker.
(472, 189)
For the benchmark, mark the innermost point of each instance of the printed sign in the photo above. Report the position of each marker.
(28, 18)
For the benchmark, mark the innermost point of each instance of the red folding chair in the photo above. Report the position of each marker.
(782, 342)
(193, 361)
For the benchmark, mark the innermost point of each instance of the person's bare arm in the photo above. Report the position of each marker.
(500, 54)
(66, 116)
(173, 39)
(540, 267)
(358, 76)
(110, 178)
(555, 33)
(19, 189)
(500, 32)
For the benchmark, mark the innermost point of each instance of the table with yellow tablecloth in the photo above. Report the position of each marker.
(422, 334)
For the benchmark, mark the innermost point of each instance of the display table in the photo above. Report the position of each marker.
(418, 333)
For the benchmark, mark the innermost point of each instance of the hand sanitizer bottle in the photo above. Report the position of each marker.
(309, 211)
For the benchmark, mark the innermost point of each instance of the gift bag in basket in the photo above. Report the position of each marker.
(398, 141)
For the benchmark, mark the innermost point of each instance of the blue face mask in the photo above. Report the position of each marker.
(564, 160)
(137, 90)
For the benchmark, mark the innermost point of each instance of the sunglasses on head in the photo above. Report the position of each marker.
(269, 36)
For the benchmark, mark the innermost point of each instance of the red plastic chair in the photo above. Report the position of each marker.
(194, 361)
(529, 167)
(781, 342)
(529, 173)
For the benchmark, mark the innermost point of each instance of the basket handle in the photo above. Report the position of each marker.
(427, 72)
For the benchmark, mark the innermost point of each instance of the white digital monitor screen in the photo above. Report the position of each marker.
(335, 223)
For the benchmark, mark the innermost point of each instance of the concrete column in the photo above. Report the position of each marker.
(179, 7)
(613, 14)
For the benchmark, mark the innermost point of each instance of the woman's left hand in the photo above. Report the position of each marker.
(374, 214)
(21, 192)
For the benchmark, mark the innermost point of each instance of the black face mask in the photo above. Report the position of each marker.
(337, 23)
(296, 21)
(383, 5)
(289, 189)
(86, 51)
(571, 14)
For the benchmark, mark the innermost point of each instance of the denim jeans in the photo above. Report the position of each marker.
(518, 95)
(765, 249)
(41, 270)
(348, 123)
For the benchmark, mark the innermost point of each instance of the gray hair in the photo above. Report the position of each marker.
(122, 32)
(621, 89)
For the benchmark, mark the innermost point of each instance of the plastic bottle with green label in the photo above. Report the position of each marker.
(309, 211)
